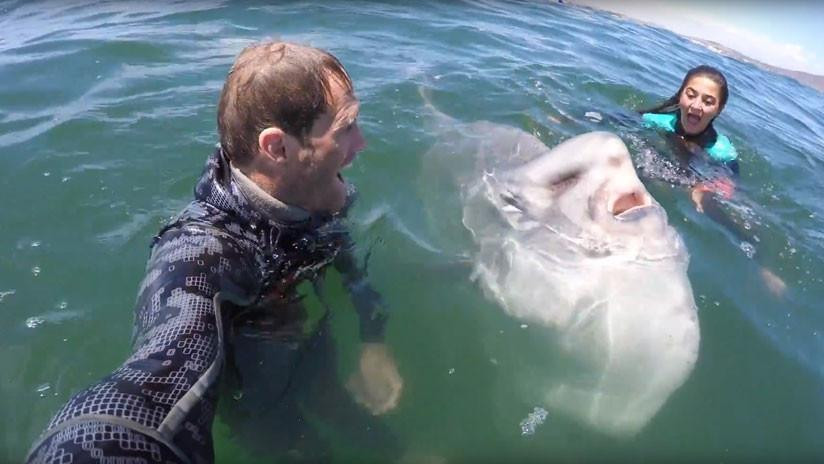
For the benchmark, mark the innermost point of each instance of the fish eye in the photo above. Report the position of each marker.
(564, 182)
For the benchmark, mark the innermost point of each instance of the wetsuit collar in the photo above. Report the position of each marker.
(266, 204)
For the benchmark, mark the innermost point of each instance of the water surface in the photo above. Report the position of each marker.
(107, 113)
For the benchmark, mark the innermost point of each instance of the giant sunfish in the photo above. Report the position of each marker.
(570, 240)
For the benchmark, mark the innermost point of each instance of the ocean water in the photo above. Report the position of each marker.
(107, 113)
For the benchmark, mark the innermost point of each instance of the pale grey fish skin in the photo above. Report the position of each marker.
(611, 291)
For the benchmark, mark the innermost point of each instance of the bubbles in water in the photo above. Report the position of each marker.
(237, 395)
(35, 243)
(533, 420)
(33, 322)
(451, 370)
(748, 249)
(35, 271)
(62, 305)
(524, 326)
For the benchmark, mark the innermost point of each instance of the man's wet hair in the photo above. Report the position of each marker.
(275, 84)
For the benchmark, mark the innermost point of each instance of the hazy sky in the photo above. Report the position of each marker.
(789, 34)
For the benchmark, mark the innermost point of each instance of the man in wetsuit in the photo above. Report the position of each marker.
(266, 217)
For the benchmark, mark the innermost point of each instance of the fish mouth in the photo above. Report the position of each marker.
(627, 202)
(635, 213)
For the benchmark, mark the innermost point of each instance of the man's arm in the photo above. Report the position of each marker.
(369, 304)
(159, 405)
(376, 384)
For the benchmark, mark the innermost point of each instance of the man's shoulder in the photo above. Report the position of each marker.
(206, 232)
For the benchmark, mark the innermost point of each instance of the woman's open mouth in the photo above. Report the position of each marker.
(693, 119)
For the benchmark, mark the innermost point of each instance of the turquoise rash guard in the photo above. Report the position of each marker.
(721, 150)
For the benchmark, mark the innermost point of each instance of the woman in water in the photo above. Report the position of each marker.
(690, 114)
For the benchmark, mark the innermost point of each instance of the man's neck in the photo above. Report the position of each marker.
(273, 206)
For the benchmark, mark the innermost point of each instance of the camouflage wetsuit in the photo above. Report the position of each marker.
(221, 254)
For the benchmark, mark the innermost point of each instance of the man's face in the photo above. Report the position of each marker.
(332, 144)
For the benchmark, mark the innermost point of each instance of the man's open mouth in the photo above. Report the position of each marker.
(348, 160)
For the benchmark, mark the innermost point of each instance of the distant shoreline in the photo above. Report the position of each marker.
(810, 80)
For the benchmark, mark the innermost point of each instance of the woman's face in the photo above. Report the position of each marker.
(699, 103)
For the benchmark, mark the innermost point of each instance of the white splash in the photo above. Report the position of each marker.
(533, 420)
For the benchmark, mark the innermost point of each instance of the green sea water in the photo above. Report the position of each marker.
(107, 113)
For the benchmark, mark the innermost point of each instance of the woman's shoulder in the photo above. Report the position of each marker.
(722, 150)
(664, 121)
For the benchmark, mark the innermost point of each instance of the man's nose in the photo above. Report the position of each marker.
(360, 140)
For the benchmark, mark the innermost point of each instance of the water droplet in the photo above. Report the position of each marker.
(748, 249)
(35, 271)
(33, 322)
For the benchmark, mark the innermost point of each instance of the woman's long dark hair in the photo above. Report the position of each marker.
(671, 105)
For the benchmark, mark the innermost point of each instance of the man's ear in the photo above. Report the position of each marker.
(272, 143)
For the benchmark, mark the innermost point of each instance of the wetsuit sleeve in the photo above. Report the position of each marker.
(369, 304)
(659, 121)
(159, 405)
(733, 165)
